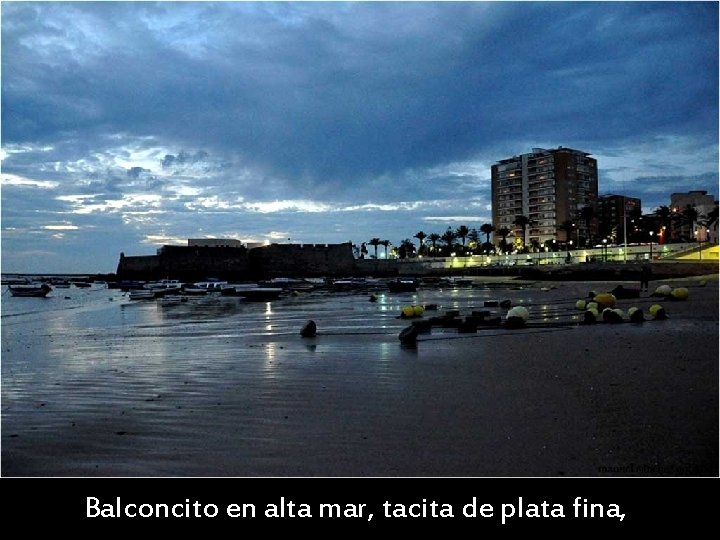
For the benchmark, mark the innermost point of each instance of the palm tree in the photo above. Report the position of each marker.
(474, 237)
(522, 222)
(434, 238)
(486, 229)
(503, 232)
(449, 237)
(385, 244)
(406, 249)
(462, 232)
(690, 214)
(421, 236)
(664, 215)
(375, 242)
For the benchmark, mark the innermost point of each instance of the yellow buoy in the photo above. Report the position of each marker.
(581, 305)
(681, 293)
(592, 305)
(657, 312)
(408, 311)
(418, 310)
(606, 300)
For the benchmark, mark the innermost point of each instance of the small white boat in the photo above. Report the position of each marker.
(164, 284)
(207, 286)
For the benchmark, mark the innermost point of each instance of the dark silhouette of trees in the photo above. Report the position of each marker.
(375, 242)
(421, 236)
(487, 229)
(449, 237)
(474, 237)
(522, 222)
(503, 232)
(434, 239)
(406, 249)
(664, 216)
(690, 215)
(461, 233)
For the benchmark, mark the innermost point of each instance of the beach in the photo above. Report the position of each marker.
(96, 385)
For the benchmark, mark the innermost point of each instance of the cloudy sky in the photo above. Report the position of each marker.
(126, 126)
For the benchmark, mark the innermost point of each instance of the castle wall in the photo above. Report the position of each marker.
(195, 263)
(302, 260)
(138, 267)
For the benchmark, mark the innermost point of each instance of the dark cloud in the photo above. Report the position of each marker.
(350, 102)
(318, 92)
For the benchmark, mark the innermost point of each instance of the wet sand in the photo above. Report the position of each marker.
(218, 387)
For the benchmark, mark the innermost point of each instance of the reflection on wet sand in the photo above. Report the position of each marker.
(110, 387)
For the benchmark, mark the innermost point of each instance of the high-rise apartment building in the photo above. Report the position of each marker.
(615, 213)
(549, 187)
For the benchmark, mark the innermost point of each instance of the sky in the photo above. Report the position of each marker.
(127, 126)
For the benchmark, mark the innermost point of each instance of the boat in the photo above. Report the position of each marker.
(126, 285)
(164, 284)
(204, 287)
(39, 291)
(81, 284)
(289, 284)
(457, 281)
(164, 287)
(144, 294)
(258, 294)
(404, 285)
(354, 283)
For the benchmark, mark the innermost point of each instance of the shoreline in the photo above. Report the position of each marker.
(227, 389)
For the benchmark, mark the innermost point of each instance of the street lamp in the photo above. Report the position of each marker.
(698, 237)
(651, 235)
(605, 249)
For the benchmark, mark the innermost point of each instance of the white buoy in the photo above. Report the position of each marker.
(663, 290)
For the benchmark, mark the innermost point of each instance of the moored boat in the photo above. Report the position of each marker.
(204, 287)
(354, 283)
(143, 294)
(38, 291)
(403, 285)
(289, 284)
